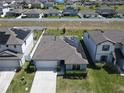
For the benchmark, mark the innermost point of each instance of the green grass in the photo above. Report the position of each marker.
(98, 81)
(58, 32)
(18, 86)
(52, 17)
(118, 7)
(60, 6)
(37, 34)
(70, 17)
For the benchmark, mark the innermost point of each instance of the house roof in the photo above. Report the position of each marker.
(105, 10)
(9, 54)
(56, 48)
(17, 11)
(111, 35)
(87, 12)
(13, 35)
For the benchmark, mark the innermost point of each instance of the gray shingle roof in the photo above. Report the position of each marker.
(101, 36)
(13, 36)
(9, 54)
(55, 48)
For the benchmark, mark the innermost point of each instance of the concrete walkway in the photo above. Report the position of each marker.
(44, 81)
(6, 77)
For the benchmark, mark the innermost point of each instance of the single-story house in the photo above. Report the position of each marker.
(49, 4)
(70, 11)
(88, 14)
(15, 46)
(89, 3)
(106, 11)
(33, 13)
(15, 12)
(56, 51)
(51, 12)
(105, 46)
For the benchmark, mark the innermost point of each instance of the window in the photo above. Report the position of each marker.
(76, 67)
(25, 42)
(14, 46)
(105, 47)
(104, 58)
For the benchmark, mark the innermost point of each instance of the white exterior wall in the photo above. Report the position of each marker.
(27, 47)
(91, 46)
(100, 53)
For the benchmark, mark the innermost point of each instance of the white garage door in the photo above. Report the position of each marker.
(8, 63)
(44, 64)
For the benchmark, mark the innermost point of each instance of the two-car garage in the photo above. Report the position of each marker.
(46, 64)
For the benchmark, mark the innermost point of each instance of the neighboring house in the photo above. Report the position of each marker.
(70, 11)
(88, 14)
(106, 11)
(49, 4)
(105, 46)
(15, 46)
(15, 12)
(56, 51)
(33, 13)
(89, 3)
(51, 12)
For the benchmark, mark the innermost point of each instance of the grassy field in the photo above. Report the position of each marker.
(98, 81)
(60, 6)
(69, 25)
(57, 32)
(17, 85)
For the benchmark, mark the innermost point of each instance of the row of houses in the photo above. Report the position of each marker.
(65, 52)
(16, 45)
(105, 12)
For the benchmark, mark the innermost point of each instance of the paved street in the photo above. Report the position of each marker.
(6, 77)
(63, 20)
(44, 81)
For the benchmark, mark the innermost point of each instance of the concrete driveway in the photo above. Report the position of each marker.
(6, 76)
(44, 81)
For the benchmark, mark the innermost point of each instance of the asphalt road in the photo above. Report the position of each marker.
(63, 20)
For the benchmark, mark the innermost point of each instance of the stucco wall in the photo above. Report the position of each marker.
(27, 47)
(91, 47)
(100, 52)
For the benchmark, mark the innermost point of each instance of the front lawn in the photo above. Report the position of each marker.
(98, 81)
(19, 84)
